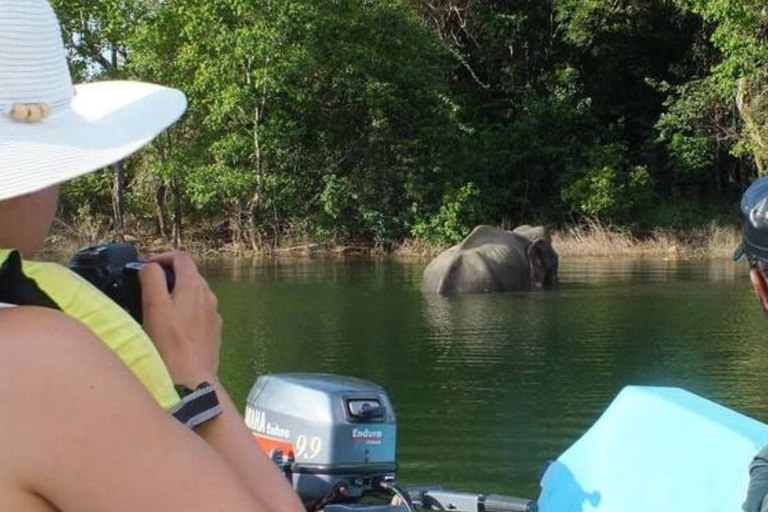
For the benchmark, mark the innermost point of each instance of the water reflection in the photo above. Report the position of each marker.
(601, 271)
(489, 387)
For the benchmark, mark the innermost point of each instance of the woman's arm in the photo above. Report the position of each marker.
(186, 328)
(81, 433)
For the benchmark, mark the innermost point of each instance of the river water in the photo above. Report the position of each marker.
(487, 388)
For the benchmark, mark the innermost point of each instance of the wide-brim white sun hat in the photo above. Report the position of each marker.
(52, 131)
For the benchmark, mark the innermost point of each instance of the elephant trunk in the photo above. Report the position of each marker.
(543, 263)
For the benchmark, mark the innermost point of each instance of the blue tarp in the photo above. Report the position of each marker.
(656, 450)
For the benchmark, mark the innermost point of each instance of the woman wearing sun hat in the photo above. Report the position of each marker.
(79, 431)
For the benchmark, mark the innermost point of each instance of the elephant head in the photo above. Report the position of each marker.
(492, 259)
(542, 259)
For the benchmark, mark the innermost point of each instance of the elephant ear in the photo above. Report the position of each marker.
(540, 260)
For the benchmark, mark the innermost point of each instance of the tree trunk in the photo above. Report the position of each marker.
(161, 193)
(162, 210)
(177, 212)
(236, 222)
(254, 210)
(118, 199)
(254, 205)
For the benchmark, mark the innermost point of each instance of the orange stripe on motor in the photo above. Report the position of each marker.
(269, 445)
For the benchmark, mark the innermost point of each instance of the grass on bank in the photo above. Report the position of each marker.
(599, 241)
(596, 240)
(584, 240)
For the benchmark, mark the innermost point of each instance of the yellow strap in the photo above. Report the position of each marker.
(116, 328)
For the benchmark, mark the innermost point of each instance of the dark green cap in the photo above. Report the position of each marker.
(754, 214)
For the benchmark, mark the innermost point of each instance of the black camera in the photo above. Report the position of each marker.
(114, 269)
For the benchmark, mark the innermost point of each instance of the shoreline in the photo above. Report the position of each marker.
(714, 241)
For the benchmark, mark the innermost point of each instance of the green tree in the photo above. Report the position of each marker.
(372, 120)
(739, 77)
(96, 35)
(300, 111)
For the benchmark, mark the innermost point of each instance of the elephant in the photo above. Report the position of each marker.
(494, 260)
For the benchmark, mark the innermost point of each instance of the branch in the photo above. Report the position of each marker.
(471, 71)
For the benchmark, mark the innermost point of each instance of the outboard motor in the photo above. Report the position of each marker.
(331, 434)
(334, 437)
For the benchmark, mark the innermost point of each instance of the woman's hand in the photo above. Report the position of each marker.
(186, 329)
(184, 324)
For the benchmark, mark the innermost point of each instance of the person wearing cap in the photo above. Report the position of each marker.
(81, 430)
(754, 213)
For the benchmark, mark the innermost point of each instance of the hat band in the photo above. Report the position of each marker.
(28, 112)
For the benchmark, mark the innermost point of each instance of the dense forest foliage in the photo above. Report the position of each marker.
(376, 121)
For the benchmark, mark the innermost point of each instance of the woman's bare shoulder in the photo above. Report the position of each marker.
(33, 320)
(44, 353)
(41, 350)
(35, 341)
(31, 335)
(79, 429)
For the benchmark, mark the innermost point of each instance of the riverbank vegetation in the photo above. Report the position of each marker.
(589, 240)
(594, 240)
(393, 124)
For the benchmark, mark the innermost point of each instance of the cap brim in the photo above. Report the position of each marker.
(755, 241)
(106, 122)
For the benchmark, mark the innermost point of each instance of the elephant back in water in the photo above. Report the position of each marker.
(494, 260)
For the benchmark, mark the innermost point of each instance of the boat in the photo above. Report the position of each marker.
(656, 449)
